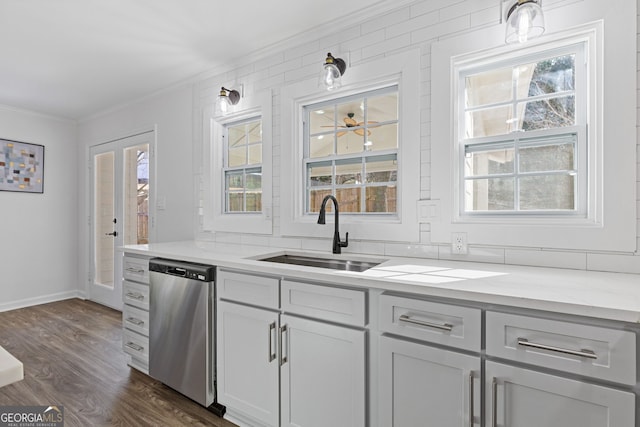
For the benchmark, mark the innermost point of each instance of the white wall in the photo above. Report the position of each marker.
(414, 25)
(38, 232)
(170, 114)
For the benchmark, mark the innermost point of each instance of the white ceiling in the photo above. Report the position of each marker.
(75, 58)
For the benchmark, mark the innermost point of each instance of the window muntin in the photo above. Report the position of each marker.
(243, 166)
(524, 175)
(521, 147)
(351, 151)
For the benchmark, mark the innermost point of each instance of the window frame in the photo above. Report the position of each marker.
(212, 209)
(473, 64)
(401, 69)
(610, 226)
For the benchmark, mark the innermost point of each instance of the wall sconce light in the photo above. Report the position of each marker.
(525, 21)
(332, 71)
(226, 99)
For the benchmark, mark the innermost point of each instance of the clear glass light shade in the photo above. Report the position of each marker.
(525, 22)
(223, 105)
(330, 77)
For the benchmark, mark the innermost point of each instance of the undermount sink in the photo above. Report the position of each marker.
(335, 264)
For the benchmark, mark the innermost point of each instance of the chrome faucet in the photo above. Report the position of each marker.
(337, 244)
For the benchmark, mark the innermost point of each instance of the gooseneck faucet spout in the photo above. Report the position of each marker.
(337, 244)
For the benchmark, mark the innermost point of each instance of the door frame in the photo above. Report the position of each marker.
(147, 135)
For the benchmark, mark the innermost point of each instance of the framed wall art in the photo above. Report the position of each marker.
(21, 166)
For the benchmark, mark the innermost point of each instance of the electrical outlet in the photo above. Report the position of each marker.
(459, 243)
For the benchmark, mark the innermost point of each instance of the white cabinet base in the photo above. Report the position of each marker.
(523, 398)
(323, 377)
(422, 385)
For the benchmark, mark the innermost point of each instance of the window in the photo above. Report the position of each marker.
(243, 167)
(555, 169)
(351, 151)
(521, 128)
(361, 144)
(236, 185)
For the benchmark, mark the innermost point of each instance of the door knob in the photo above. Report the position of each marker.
(114, 234)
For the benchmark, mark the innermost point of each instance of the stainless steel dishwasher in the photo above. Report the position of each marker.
(181, 329)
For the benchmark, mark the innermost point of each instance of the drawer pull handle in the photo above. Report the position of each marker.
(494, 402)
(444, 327)
(471, 398)
(272, 353)
(135, 321)
(587, 354)
(134, 346)
(135, 270)
(134, 295)
(283, 358)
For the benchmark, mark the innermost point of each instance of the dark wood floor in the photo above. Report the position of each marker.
(72, 356)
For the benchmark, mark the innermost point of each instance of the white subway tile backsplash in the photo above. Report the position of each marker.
(386, 20)
(411, 250)
(412, 26)
(420, 8)
(363, 41)
(476, 254)
(417, 23)
(441, 29)
(614, 262)
(544, 258)
(457, 10)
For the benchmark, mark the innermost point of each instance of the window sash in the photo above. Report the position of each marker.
(245, 169)
(333, 161)
(519, 139)
(574, 137)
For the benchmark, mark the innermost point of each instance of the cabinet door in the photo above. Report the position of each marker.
(426, 386)
(322, 373)
(247, 362)
(519, 397)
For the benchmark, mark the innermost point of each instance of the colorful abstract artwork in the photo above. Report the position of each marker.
(21, 166)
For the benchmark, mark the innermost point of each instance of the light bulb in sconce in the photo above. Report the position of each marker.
(226, 99)
(525, 21)
(332, 71)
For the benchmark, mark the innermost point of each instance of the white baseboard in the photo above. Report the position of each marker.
(28, 302)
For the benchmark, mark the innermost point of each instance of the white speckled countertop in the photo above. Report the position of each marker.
(613, 296)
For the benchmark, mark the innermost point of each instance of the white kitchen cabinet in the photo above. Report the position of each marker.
(518, 397)
(323, 374)
(426, 386)
(135, 311)
(248, 366)
(277, 369)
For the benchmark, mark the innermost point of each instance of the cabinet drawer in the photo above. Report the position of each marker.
(136, 294)
(136, 345)
(592, 351)
(247, 288)
(135, 319)
(430, 321)
(136, 269)
(324, 302)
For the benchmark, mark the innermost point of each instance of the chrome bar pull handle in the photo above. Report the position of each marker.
(135, 347)
(135, 270)
(587, 354)
(135, 321)
(471, 396)
(272, 354)
(443, 327)
(137, 296)
(494, 402)
(283, 358)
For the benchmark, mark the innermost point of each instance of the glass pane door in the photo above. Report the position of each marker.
(120, 213)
